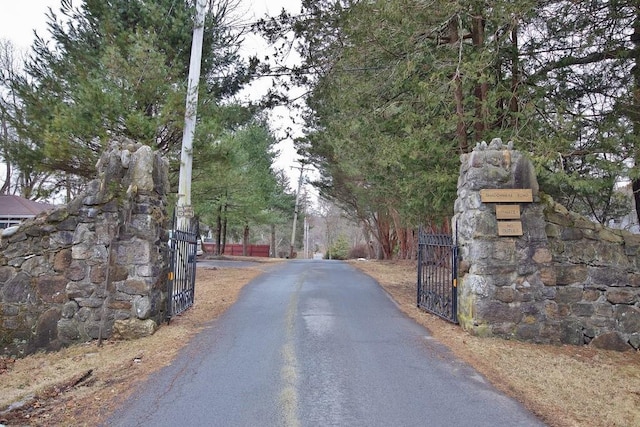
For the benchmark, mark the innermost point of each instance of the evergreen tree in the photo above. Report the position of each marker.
(119, 68)
(580, 61)
(234, 185)
(399, 88)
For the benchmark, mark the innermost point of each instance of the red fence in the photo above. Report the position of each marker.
(236, 249)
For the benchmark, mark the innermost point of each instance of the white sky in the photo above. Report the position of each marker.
(19, 18)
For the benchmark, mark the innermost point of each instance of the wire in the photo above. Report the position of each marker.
(309, 73)
(251, 24)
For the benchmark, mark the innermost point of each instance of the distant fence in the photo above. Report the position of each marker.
(236, 249)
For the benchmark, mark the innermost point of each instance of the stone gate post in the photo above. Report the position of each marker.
(503, 269)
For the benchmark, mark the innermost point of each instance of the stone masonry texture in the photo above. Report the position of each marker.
(95, 268)
(566, 280)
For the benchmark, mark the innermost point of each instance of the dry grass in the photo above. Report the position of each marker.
(82, 384)
(563, 385)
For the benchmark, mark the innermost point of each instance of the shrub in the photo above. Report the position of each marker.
(339, 249)
(359, 251)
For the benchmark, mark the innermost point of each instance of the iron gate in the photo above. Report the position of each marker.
(183, 244)
(438, 275)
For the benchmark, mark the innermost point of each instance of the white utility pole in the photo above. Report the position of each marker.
(184, 209)
(306, 237)
(295, 213)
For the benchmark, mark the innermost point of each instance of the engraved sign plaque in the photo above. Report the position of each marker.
(185, 211)
(508, 211)
(509, 228)
(506, 195)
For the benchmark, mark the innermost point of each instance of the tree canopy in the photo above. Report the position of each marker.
(118, 69)
(398, 89)
(234, 184)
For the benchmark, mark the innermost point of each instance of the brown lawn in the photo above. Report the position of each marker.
(81, 385)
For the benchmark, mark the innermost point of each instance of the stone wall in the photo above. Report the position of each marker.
(564, 280)
(93, 269)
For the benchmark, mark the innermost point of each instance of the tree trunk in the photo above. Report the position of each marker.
(461, 128)
(482, 88)
(414, 244)
(384, 236)
(7, 180)
(272, 246)
(635, 112)
(219, 231)
(367, 238)
(514, 105)
(5, 136)
(224, 229)
(401, 234)
(635, 185)
(245, 240)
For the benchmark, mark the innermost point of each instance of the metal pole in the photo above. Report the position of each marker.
(295, 214)
(183, 208)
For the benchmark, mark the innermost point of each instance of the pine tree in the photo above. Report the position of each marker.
(118, 69)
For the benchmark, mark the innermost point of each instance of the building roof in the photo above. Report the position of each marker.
(18, 207)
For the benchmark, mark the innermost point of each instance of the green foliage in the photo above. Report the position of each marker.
(385, 124)
(399, 88)
(232, 180)
(339, 249)
(583, 60)
(118, 69)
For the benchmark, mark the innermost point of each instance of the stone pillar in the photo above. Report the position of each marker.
(95, 268)
(502, 279)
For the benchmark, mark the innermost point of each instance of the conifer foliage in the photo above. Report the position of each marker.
(118, 68)
(398, 89)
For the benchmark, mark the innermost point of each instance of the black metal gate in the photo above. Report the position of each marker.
(183, 244)
(438, 275)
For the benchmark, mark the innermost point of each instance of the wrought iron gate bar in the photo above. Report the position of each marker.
(182, 275)
(435, 239)
(438, 275)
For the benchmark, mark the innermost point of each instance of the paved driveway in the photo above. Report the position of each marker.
(317, 343)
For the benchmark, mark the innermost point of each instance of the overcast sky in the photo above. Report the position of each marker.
(19, 19)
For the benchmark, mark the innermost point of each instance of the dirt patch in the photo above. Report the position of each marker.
(81, 385)
(563, 385)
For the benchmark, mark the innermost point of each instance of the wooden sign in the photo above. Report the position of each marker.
(508, 211)
(509, 228)
(506, 195)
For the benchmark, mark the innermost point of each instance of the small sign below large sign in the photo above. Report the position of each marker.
(509, 228)
(507, 195)
(508, 211)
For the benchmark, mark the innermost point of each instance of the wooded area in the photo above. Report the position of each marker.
(119, 70)
(396, 90)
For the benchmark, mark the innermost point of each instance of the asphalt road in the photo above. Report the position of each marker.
(317, 343)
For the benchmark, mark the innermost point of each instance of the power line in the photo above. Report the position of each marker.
(251, 24)
(308, 73)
